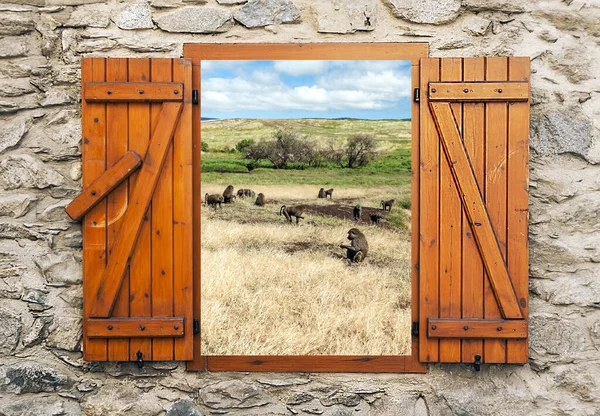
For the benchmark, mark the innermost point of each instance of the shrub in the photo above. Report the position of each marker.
(243, 144)
(204, 146)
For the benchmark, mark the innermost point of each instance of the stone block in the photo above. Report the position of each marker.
(15, 205)
(345, 16)
(194, 19)
(60, 269)
(11, 326)
(135, 16)
(425, 11)
(25, 171)
(261, 13)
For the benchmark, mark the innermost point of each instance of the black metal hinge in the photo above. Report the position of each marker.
(477, 363)
(415, 329)
(417, 95)
(196, 326)
(194, 96)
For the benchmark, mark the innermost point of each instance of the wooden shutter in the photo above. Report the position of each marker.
(473, 259)
(137, 202)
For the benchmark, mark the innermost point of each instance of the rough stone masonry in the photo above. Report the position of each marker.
(41, 43)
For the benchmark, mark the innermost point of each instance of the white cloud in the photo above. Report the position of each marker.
(344, 85)
(298, 68)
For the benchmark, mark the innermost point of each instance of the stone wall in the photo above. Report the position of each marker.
(41, 43)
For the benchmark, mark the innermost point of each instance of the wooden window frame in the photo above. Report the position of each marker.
(308, 51)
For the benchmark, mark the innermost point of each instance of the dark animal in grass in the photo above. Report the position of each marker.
(329, 193)
(357, 211)
(376, 218)
(228, 195)
(213, 200)
(358, 248)
(260, 200)
(387, 204)
(321, 193)
(249, 193)
(289, 212)
(240, 193)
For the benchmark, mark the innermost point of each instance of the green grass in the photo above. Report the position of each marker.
(391, 168)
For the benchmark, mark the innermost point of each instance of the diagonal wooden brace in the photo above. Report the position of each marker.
(461, 168)
(120, 256)
(108, 181)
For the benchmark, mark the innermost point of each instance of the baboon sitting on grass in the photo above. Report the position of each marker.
(358, 248)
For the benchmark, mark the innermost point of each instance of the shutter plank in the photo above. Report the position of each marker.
(133, 218)
(479, 91)
(182, 214)
(94, 223)
(450, 230)
(517, 204)
(472, 273)
(135, 328)
(478, 328)
(133, 92)
(117, 137)
(495, 194)
(109, 180)
(429, 218)
(139, 270)
(162, 228)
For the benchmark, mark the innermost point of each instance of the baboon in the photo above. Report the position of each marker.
(321, 193)
(387, 204)
(357, 211)
(260, 200)
(376, 218)
(249, 193)
(213, 200)
(228, 195)
(329, 192)
(358, 248)
(295, 211)
(240, 193)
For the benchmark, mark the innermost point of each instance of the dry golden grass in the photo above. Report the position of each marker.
(271, 288)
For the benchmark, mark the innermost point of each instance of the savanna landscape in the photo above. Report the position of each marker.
(270, 287)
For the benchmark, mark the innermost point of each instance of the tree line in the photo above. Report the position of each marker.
(288, 149)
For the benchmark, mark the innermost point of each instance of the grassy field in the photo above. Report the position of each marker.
(271, 288)
(225, 134)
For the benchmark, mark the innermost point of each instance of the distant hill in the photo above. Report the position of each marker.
(226, 133)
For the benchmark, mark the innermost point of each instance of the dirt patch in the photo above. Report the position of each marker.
(346, 212)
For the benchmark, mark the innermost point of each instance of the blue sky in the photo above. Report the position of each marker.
(312, 89)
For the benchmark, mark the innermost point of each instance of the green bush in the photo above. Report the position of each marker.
(204, 147)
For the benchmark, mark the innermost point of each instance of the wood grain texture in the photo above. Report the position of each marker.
(479, 91)
(133, 91)
(476, 211)
(135, 327)
(183, 214)
(322, 364)
(112, 278)
(472, 266)
(487, 329)
(517, 204)
(199, 362)
(94, 224)
(329, 51)
(139, 268)
(429, 217)
(98, 189)
(162, 225)
(117, 139)
(450, 229)
(411, 52)
(496, 115)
